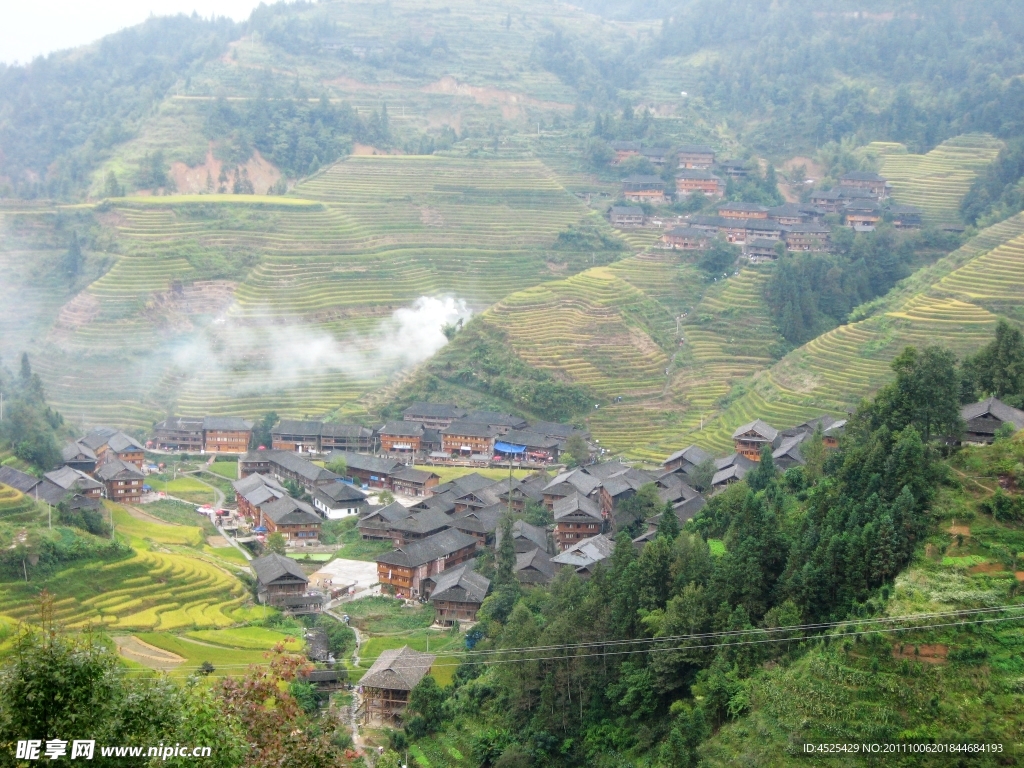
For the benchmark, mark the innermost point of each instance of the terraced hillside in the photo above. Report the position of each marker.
(937, 181)
(211, 293)
(650, 331)
(955, 302)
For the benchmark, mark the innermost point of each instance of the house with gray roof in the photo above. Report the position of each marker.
(389, 681)
(79, 456)
(751, 438)
(525, 537)
(371, 471)
(457, 594)
(339, 500)
(277, 578)
(433, 415)
(297, 436)
(981, 420)
(584, 555)
(534, 567)
(576, 518)
(293, 519)
(75, 481)
(404, 569)
(375, 524)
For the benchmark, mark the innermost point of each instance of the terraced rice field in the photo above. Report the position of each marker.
(16, 506)
(590, 328)
(354, 243)
(833, 372)
(150, 590)
(937, 181)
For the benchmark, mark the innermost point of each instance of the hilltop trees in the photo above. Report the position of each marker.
(997, 369)
(29, 425)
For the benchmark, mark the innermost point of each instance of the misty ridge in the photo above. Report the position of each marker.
(271, 355)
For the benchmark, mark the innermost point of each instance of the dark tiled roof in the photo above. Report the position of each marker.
(577, 506)
(760, 428)
(479, 520)
(119, 442)
(412, 475)
(495, 419)
(271, 567)
(402, 429)
(72, 451)
(697, 175)
(227, 423)
(692, 453)
(335, 492)
(861, 176)
(460, 584)
(398, 669)
(17, 479)
(391, 513)
(523, 530)
(464, 428)
(423, 523)
(365, 463)
(535, 560)
(180, 424)
(996, 408)
(627, 210)
(69, 479)
(298, 428)
(114, 468)
(307, 470)
(97, 437)
(330, 429)
(418, 553)
(289, 511)
(695, 149)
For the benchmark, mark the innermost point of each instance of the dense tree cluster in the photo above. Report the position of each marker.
(298, 137)
(29, 426)
(810, 293)
(997, 370)
(998, 192)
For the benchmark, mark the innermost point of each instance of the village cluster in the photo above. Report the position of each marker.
(861, 200)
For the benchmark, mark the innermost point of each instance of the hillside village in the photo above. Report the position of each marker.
(552, 386)
(861, 201)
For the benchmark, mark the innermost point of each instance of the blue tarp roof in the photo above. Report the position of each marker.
(509, 447)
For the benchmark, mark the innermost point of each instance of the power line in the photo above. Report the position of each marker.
(469, 656)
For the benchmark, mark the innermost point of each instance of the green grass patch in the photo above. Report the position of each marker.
(226, 661)
(228, 469)
(227, 553)
(353, 546)
(379, 615)
(717, 547)
(186, 488)
(248, 638)
(143, 530)
(179, 513)
(964, 561)
(425, 640)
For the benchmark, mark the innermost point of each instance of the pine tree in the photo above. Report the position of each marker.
(668, 525)
(760, 477)
(73, 258)
(505, 572)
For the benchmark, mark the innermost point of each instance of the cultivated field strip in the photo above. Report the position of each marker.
(584, 328)
(937, 181)
(834, 371)
(149, 590)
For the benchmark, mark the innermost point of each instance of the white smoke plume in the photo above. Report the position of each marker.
(275, 355)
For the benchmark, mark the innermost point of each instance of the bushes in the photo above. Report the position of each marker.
(1003, 507)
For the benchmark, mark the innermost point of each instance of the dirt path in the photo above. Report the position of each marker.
(218, 493)
(965, 476)
(142, 652)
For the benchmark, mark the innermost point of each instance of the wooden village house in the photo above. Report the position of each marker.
(401, 437)
(576, 518)
(433, 415)
(467, 438)
(226, 434)
(122, 482)
(404, 569)
(704, 182)
(296, 436)
(179, 433)
(389, 681)
(457, 594)
(981, 420)
(623, 216)
(277, 578)
(751, 438)
(293, 519)
(693, 156)
(686, 239)
(643, 189)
